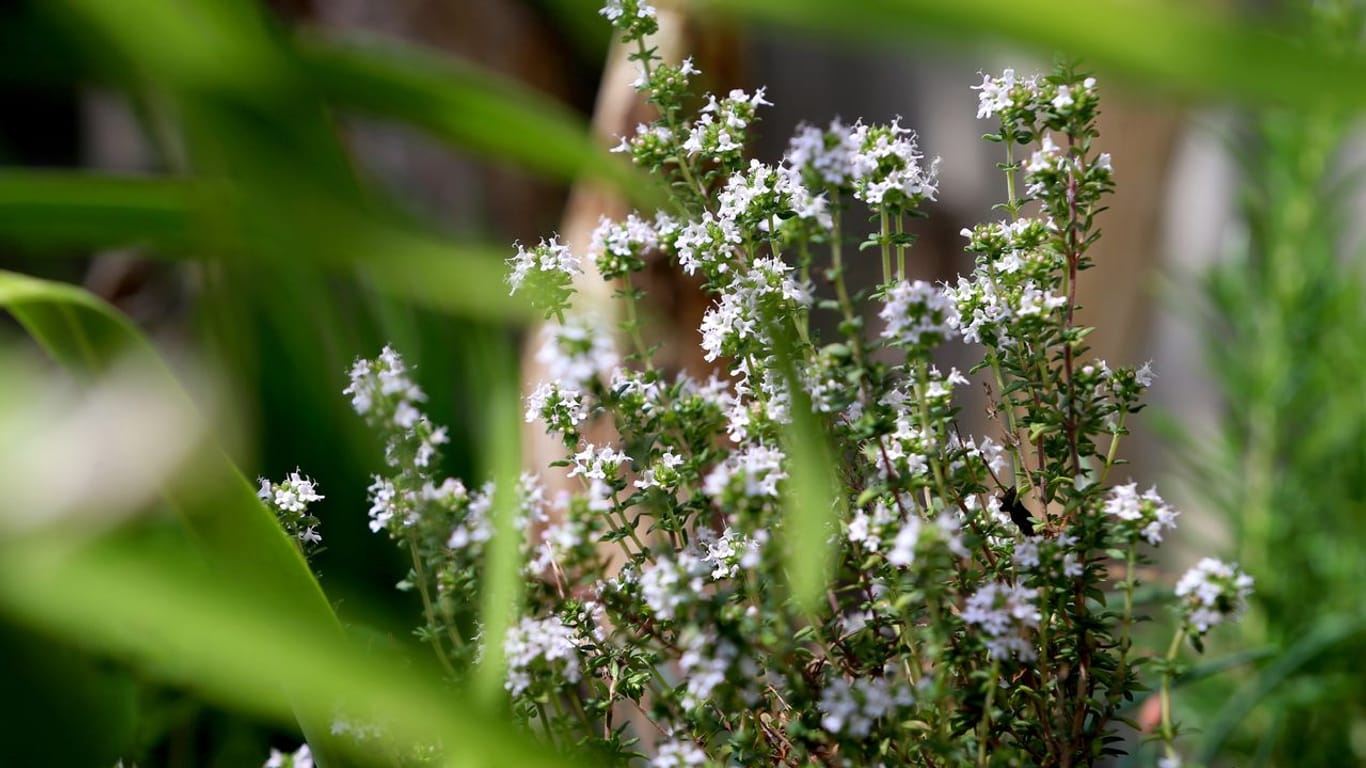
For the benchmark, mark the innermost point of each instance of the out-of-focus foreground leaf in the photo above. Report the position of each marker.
(153, 605)
(814, 498)
(75, 210)
(62, 209)
(503, 584)
(1187, 46)
(465, 106)
(232, 529)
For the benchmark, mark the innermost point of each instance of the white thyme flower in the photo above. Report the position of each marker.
(540, 644)
(1001, 93)
(828, 154)
(385, 504)
(578, 352)
(595, 463)
(561, 407)
(1212, 593)
(662, 475)
(620, 247)
(1147, 515)
(1145, 375)
(852, 708)
(382, 391)
(1026, 553)
(678, 754)
(549, 256)
(293, 494)
(1063, 99)
(299, 758)
(719, 130)
(616, 9)
(704, 663)
(903, 547)
(1005, 614)
(733, 552)
(668, 583)
(887, 167)
(754, 472)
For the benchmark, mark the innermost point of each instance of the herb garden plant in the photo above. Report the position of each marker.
(974, 599)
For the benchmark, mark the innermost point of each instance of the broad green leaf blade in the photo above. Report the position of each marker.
(1186, 46)
(234, 532)
(80, 331)
(468, 107)
(72, 210)
(158, 608)
(63, 209)
(503, 581)
(814, 498)
(813, 503)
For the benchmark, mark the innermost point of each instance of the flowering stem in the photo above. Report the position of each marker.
(921, 396)
(900, 248)
(851, 323)
(643, 55)
(986, 713)
(626, 526)
(632, 324)
(886, 248)
(1165, 694)
(1114, 449)
(1012, 204)
(837, 264)
(427, 608)
(545, 722)
(1075, 245)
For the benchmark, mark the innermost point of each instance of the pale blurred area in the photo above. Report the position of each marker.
(81, 458)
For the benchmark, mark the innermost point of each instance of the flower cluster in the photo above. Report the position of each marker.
(289, 499)
(1147, 515)
(545, 274)
(1212, 593)
(966, 612)
(299, 758)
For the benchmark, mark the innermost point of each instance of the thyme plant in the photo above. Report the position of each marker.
(981, 607)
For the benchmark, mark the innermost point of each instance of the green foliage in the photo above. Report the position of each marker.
(1287, 471)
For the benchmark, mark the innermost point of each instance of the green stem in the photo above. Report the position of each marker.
(900, 248)
(986, 713)
(632, 324)
(837, 263)
(886, 248)
(1012, 205)
(427, 608)
(1114, 449)
(1165, 695)
(680, 157)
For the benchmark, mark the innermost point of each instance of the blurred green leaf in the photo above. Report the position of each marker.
(813, 498)
(234, 531)
(1323, 637)
(46, 209)
(503, 581)
(77, 329)
(467, 107)
(154, 606)
(1187, 46)
(63, 209)
(812, 503)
